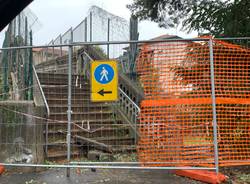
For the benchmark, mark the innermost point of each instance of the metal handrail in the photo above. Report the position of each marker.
(134, 104)
(127, 106)
(129, 110)
(41, 90)
(86, 54)
(137, 107)
(47, 108)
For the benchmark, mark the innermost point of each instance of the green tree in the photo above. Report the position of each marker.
(216, 17)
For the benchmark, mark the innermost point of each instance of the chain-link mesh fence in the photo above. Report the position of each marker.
(179, 125)
(99, 25)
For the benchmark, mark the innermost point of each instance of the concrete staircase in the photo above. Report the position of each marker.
(94, 125)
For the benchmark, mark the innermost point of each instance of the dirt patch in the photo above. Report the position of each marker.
(237, 175)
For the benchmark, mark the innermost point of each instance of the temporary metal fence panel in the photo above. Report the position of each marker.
(194, 113)
(196, 98)
(232, 77)
(176, 118)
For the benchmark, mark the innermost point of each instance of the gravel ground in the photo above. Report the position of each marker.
(237, 175)
(86, 176)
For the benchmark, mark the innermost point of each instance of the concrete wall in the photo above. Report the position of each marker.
(21, 135)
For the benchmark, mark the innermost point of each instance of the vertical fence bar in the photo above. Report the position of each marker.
(46, 136)
(69, 102)
(46, 54)
(14, 27)
(108, 37)
(26, 60)
(86, 30)
(30, 75)
(135, 123)
(216, 155)
(71, 35)
(90, 27)
(60, 43)
(53, 50)
(5, 65)
(19, 25)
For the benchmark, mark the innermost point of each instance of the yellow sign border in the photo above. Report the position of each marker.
(97, 87)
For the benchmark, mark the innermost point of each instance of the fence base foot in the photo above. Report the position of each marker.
(203, 175)
(1, 169)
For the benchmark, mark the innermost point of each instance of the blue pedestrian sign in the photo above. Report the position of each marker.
(104, 74)
(104, 81)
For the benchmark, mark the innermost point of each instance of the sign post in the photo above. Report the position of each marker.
(104, 81)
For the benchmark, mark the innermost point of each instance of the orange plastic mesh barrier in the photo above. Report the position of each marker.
(176, 121)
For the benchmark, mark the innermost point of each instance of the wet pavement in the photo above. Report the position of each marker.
(101, 176)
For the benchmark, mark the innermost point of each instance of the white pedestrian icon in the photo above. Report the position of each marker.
(104, 74)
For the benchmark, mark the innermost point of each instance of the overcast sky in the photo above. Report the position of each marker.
(56, 16)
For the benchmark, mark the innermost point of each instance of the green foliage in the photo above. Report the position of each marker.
(100, 51)
(121, 157)
(244, 178)
(47, 162)
(10, 118)
(165, 12)
(216, 17)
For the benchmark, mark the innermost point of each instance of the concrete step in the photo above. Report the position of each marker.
(64, 86)
(90, 105)
(111, 138)
(60, 76)
(91, 115)
(56, 81)
(61, 145)
(54, 155)
(64, 89)
(116, 140)
(79, 108)
(108, 111)
(91, 124)
(57, 75)
(82, 102)
(61, 68)
(98, 118)
(52, 95)
(62, 101)
(93, 132)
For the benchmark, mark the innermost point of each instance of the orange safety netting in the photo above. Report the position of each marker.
(176, 121)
